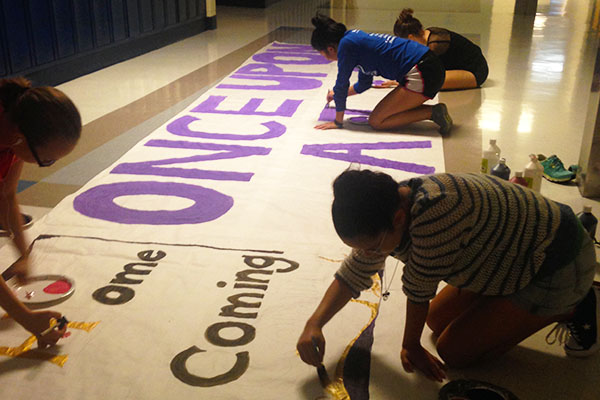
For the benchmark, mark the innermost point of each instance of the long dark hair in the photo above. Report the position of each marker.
(364, 203)
(406, 24)
(327, 32)
(42, 114)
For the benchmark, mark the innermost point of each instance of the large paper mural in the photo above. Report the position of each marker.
(198, 256)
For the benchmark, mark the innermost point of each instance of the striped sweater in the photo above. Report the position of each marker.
(476, 232)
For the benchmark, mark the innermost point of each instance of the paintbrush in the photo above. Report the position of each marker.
(59, 324)
(321, 371)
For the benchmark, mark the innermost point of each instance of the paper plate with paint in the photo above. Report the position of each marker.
(27, 222)
(466, 389)
(359, 120)
(45, 290)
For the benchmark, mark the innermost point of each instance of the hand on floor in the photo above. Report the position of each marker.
(422, 360)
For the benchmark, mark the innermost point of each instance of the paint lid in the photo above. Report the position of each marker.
(43, 290)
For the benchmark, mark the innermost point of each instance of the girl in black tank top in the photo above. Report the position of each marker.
(463, 60)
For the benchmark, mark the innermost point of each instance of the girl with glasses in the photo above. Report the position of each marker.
(37, 125)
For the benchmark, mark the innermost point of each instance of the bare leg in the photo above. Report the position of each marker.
(459, 79)
(489, 327)
(398, 108)
(447, 305)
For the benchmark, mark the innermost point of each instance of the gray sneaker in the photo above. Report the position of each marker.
(580, 335)
(439, 115)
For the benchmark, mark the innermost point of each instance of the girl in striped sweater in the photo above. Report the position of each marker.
(513, 260)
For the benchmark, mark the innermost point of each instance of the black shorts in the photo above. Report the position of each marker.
(480, 70)
(426, 77)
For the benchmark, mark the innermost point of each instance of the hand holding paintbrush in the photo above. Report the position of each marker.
(329, 98)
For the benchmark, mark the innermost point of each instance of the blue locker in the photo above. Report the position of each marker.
(146, 15)
(201, 8)
(117, 10)
(171, 10)
(159, 14)
(17, 38)
(183, 11)
(133, 18)
(3, 69)
(63, 26)
(42, 31)
(101, 22)
(193, 8)
(83, 25)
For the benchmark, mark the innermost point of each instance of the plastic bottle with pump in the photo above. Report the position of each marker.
(490, 157)
(533, 173)
(501, 170)
(518, 179)
(589, 221)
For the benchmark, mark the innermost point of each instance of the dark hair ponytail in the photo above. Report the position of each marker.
(364, 203)
(10, 91)
(42, 114)
(327, 32)
(406, 24)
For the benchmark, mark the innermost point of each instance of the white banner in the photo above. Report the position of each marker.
(203, 250)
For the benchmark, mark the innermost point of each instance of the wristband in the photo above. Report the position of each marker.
(338, 124)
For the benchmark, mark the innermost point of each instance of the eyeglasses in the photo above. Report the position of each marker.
(45, 163)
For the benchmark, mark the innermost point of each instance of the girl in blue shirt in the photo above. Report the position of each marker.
(418, 69)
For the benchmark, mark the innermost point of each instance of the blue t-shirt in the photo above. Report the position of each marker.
(374, 54)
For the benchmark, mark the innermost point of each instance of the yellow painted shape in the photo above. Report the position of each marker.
(330, 259)
(84, 326)
(336, 387)
(25, 349)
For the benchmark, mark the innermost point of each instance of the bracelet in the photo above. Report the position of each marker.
(338, 124)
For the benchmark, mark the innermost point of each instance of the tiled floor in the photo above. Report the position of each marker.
(535, 99)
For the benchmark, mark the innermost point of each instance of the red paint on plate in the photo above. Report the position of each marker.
(58, 287)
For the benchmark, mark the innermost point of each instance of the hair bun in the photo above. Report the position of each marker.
(406, 14)
(318, 21)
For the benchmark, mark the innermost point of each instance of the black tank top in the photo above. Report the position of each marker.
(454, 50)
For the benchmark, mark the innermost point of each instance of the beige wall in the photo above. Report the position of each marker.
(211, 8)
(417, 5)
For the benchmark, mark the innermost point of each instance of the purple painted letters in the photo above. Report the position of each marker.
(353, 153)
(285, 83)
(286, 109)
(272, 69)
(328, 113)
(180, 127)
(282, 57)
(228, 151)
(98, 202)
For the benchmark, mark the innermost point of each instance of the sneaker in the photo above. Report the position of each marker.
(439, 115)
(554, 170)
(580, 335)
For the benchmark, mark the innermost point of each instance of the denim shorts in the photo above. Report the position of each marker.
(559, 292)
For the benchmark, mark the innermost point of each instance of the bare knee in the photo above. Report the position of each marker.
(453, 353)
(376, 121)
(435, 323)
